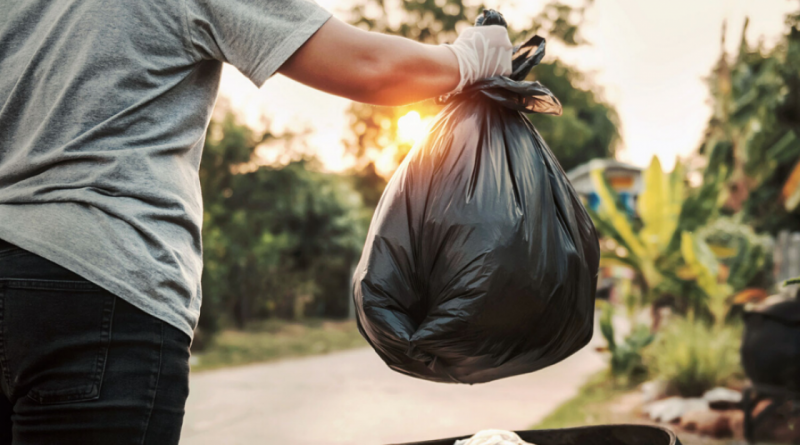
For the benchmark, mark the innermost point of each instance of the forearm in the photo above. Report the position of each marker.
(371, 67)
(412, 72)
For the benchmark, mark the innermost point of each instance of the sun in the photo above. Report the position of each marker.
(411, 127)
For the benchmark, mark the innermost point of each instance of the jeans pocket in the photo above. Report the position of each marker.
(54, 338)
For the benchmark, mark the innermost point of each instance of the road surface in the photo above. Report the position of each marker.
(352, 398)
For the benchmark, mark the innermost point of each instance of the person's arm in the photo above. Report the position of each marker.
(387, 70)
(370, 67)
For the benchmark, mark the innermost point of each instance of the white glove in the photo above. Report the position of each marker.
(482, 51)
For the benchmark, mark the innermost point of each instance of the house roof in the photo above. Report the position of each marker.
(601, 164)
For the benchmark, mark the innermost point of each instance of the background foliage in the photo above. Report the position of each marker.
(587, 129)
(703, 250)
(279, 241)
(752, 137)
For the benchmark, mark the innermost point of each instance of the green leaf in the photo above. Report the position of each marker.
(617, 218)
(701, 261)
(607, 326)
(658, 208)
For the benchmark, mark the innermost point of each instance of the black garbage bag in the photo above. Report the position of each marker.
(480, 262)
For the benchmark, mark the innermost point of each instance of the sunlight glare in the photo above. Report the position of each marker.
(411, 127)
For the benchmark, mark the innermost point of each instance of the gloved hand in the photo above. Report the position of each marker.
(482, 51)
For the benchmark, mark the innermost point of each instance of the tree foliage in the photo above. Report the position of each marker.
(278, 241)
(752, 138)
(588, 128)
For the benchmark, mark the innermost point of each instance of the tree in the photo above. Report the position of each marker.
(279, 241)
(587, 129)
(752, 137)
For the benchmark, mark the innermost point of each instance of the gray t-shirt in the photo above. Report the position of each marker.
(104, 106)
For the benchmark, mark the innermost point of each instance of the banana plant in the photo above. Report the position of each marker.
(708, 273)
(666, 245)
(642, 244)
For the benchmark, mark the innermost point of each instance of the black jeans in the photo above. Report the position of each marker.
(81, 366)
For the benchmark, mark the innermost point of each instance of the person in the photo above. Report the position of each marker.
(103, 112)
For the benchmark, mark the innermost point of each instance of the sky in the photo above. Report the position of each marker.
(650, 58)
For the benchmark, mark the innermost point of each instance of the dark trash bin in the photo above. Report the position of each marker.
(588, 435)
(771, 346)
(771, 359)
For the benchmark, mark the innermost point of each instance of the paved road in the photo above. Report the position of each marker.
(352, 398)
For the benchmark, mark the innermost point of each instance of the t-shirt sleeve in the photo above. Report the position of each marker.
(255, 36)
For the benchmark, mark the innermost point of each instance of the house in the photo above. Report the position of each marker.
(624, 179)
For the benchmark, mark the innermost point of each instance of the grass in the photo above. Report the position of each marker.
(602, 402)
(590, 406)
(693, 357)
(275, 340)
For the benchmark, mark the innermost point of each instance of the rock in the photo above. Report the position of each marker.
(708, 422)
(653, 390)
(723, 398)
(670, 410)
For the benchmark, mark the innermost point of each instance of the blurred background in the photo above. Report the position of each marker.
(680, 132)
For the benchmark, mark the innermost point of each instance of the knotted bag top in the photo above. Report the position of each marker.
(513, 91)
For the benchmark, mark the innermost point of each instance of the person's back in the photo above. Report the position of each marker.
(103, 111)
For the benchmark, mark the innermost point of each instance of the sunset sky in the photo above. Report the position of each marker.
(649, 57)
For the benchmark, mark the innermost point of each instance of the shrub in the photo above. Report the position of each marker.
(626, 355)
(693, 357)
